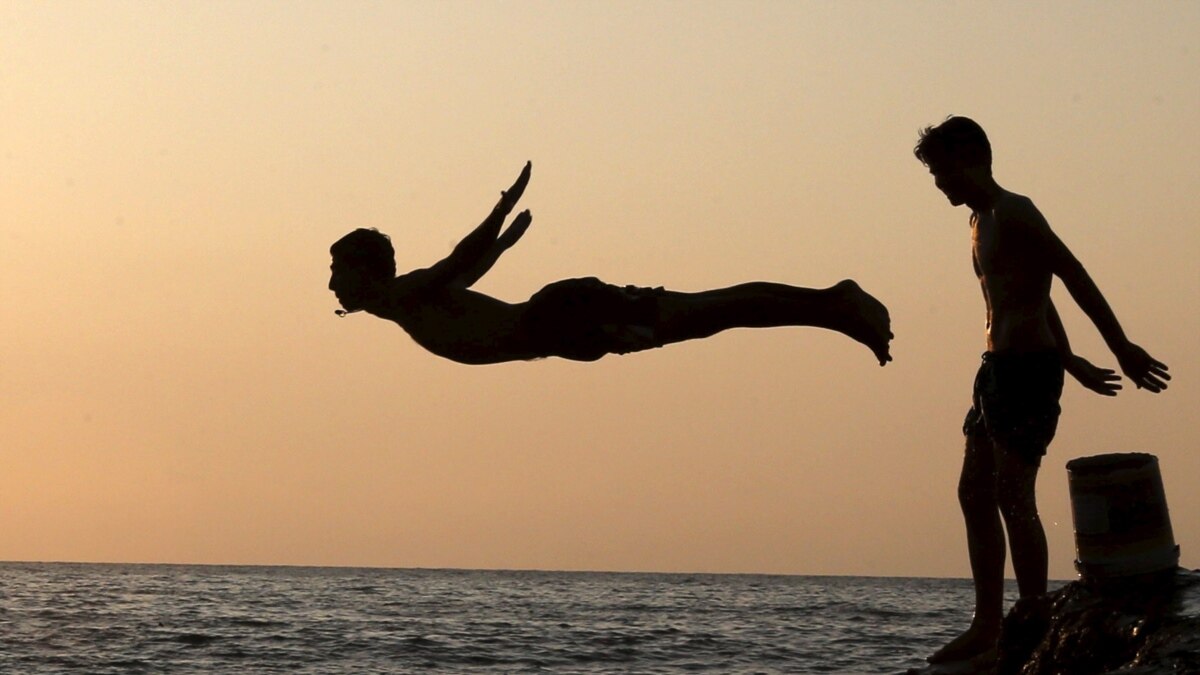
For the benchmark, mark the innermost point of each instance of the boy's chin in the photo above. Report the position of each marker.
(349, 306)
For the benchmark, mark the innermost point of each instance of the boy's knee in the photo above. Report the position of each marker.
(976, 497)
(1018, 508)
(1016, 497)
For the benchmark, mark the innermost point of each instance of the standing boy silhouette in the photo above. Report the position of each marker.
(1015, 403)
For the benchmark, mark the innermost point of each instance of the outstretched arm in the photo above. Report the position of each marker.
(1142, 369)
(1103, 381)
(511, 235)
(479, 250)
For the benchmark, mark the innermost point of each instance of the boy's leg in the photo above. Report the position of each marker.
(1016, 478)
(985, 546)
(1025, 410)
(845, 308)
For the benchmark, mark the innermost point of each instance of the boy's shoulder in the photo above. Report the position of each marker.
(418, 282)
(1011, 202)
(1017, 209)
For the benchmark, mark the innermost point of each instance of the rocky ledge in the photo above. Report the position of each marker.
(1146, 625)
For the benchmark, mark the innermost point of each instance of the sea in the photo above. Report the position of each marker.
(104, 619)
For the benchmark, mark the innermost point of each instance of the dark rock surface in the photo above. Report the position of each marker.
(1146, 625)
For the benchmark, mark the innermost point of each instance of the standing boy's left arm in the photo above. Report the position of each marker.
(1103, 381)
(1141, 368)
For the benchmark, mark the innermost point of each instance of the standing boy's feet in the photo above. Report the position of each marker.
(976, 640)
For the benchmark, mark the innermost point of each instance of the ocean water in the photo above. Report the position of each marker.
(101, 619)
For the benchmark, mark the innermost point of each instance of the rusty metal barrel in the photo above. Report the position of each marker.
(1122, 527)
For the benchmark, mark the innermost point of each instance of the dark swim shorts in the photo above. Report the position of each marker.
(584, 319)
(1015, 402)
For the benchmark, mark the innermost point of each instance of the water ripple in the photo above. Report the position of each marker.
(120, 619)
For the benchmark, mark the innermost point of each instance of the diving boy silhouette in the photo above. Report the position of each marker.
(577, 319)
(1015, 402)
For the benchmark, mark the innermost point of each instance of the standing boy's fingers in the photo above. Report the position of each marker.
(1160, 370)
(1152, 384)
(1105, 386)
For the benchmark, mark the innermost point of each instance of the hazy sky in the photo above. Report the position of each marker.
(176, 387)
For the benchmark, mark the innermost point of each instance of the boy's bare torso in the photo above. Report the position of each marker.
(456, 323)
(1013, 273)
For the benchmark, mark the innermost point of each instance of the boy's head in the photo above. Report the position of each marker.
(958, 140)
(363, 261)
(958, 155)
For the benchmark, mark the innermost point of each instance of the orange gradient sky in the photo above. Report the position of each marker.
(176, 387)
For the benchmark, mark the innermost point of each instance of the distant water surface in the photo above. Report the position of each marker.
(107, 619)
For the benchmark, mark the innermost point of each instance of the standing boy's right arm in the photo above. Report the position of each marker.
(1142, 369)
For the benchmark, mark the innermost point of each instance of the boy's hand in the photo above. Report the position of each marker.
(1103, 381)
(509, 197)
(1142, 369)
(515, 230)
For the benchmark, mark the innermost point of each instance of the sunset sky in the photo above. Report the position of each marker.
(176, 388)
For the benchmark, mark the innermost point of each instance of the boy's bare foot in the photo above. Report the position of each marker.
(976, 640)
(867, 320)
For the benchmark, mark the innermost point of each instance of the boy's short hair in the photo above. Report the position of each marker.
(369, 251)
(959, 141)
